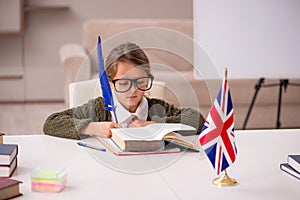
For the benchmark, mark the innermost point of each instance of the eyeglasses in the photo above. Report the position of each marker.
(125, 84)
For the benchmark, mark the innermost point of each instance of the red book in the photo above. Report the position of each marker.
(9, 188)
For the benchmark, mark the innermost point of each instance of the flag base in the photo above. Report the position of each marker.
(224, 180)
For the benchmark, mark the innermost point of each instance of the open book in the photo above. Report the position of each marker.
(151, 137)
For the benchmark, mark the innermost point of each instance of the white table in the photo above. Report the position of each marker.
(187, 177)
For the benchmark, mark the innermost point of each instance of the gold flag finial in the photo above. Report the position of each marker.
(225, 72)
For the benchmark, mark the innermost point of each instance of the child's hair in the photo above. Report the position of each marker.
(127, 52)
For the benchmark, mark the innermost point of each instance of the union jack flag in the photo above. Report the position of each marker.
(217, 135)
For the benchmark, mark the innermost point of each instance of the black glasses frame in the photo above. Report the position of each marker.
(135, 82)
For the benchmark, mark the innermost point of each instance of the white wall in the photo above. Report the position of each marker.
(252, 38)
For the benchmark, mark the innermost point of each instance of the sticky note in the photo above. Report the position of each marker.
(48, 180)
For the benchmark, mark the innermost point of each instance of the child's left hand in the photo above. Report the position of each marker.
(140, 123)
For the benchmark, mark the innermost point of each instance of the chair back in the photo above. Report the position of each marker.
(81, 92)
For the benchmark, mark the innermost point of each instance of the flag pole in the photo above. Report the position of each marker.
(224, 179)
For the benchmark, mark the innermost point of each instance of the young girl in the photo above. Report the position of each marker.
(128, 70)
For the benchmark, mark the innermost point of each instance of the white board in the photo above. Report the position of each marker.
(253, 39)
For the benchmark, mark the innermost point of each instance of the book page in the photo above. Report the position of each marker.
(150, 132)
(180, 140)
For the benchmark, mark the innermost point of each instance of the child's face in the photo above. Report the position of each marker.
(131, 98)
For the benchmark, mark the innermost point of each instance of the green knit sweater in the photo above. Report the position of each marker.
(69, 123)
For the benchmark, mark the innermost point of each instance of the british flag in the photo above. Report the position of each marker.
(217, 135)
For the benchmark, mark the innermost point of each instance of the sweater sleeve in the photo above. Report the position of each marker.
(163, 112)
(70, 122)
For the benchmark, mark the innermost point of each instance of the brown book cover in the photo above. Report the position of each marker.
(113, 148)
(9, 188)
(1, 137)
(150, 137)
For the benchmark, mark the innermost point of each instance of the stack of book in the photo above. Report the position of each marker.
(8, 159)
(292, 167)
(9, 188)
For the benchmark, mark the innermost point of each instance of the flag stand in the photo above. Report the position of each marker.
(224, 180)
(217, 135)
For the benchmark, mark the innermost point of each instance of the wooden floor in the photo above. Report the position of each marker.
(27, 118)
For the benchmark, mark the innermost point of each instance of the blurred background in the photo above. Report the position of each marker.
(31, 34)
(252, 39)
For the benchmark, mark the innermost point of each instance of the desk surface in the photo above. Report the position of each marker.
(260, 153)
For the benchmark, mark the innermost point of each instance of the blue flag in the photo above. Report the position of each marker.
(106, 90)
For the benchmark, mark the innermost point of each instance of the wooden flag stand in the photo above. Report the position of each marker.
(224, 180)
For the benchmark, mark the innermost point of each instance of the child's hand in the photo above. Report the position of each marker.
(140, 123)
(101, 129)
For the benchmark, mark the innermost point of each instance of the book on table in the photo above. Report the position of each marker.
(294, 162)
(109, 144)
(8, 170)
(289, 170)
(9, 188)
(152, 137)
(1, 137)
(7, 153)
